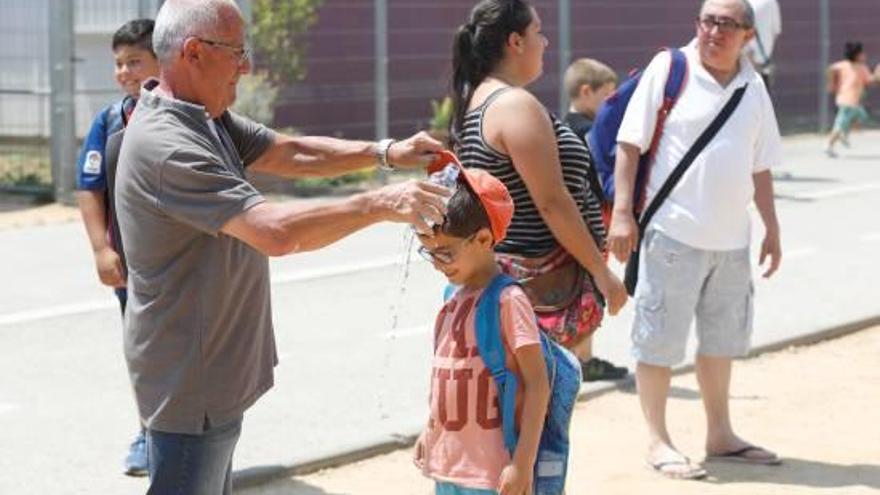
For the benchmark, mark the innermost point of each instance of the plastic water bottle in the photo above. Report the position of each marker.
(448, 177)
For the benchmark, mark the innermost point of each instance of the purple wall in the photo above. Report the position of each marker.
(336, 98)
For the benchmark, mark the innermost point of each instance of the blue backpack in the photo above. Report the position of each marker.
(564, 372)
(603, 136)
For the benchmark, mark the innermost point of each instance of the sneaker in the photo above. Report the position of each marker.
(830, 153)
(136, 460)
(596, 369)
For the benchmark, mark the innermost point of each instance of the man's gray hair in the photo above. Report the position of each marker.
(747, 10)
(178, 20)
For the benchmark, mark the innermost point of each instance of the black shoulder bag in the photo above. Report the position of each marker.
(631, 278)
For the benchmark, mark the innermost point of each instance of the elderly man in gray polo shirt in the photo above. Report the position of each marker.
(695, 254)
(199, 340)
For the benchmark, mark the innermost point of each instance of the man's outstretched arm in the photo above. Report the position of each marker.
(276, 229)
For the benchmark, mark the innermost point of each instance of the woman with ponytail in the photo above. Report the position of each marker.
(501, 127)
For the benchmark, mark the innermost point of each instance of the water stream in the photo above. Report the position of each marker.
(409, 239)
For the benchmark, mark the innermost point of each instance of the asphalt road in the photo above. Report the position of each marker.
(348, 377)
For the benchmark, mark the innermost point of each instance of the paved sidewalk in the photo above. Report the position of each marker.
(817, 406)
(60, 338)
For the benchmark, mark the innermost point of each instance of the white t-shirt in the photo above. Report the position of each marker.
(768, 24)
(708, 209)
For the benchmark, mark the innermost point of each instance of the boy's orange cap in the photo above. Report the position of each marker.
(492, 192)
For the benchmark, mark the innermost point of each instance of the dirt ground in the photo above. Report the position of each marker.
(816, 406)
(21, 211)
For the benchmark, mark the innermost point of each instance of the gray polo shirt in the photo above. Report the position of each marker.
(198, 338)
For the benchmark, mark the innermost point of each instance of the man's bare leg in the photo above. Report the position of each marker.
(653, 384)
(713, 375)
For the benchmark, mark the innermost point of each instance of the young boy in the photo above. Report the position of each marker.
(848, 79)
(135, 62)
(462, 448)
(588, 83)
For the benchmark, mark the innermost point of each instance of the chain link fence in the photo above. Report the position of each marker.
(338, 95)
(25, 86)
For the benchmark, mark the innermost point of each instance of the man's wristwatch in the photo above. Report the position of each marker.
(382, 155)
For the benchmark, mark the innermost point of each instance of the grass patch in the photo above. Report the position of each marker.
(25, 165)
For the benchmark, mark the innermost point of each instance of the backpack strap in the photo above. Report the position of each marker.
(678, 69)
(675, 81)
(489, 343)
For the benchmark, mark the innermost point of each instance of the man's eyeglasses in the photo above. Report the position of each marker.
(724, 24)
(443, 256)
(241, 51)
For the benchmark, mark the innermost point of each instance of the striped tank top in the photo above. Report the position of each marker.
(528, 235)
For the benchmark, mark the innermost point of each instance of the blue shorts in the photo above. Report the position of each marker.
(678, 283)
(444, 488)
(847, 115)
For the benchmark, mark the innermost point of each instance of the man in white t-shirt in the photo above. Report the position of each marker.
(768, 26)
(695, 254)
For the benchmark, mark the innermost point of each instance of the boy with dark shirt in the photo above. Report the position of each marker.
(588, 83)
(135, 62)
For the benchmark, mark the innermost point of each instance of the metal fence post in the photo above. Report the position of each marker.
(63, 137)
(564, 51)
(381, 67)
(824, 61)
(381, 74)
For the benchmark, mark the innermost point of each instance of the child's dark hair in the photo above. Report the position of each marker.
(852, 50)
(465, 214)
(478, 47)
(137, 33)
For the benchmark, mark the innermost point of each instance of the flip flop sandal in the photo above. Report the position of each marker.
(739, 456)
(693, 472)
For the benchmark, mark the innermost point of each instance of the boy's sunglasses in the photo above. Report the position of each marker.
(443, 256)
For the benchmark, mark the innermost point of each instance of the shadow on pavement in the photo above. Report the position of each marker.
(798, 472)
(860, 157)
(285, 486)
(796, 199)
(675, 392)
(789, 177)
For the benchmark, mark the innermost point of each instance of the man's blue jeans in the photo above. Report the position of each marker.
(192, 464)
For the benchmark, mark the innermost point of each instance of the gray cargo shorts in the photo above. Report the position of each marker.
(678, 282)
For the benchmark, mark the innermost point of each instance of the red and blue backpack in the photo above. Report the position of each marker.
(602, 139)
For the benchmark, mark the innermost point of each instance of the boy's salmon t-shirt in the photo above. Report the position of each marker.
(853, 78)
(464, 443)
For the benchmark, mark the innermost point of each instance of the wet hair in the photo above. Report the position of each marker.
(748, 12)
(478, 47)
(587, 71)
(465, 214)
(137, 33)
(852, 50)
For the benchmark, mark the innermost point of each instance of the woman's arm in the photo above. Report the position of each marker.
(518, 125)
(316, 156)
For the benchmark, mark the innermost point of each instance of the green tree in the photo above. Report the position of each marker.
(277, 33)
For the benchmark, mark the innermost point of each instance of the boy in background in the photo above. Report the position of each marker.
(135, 62)
(588, 83)
(848, 79)
(462, 448)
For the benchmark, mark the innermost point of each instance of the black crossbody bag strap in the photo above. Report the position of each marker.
(632, 267)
